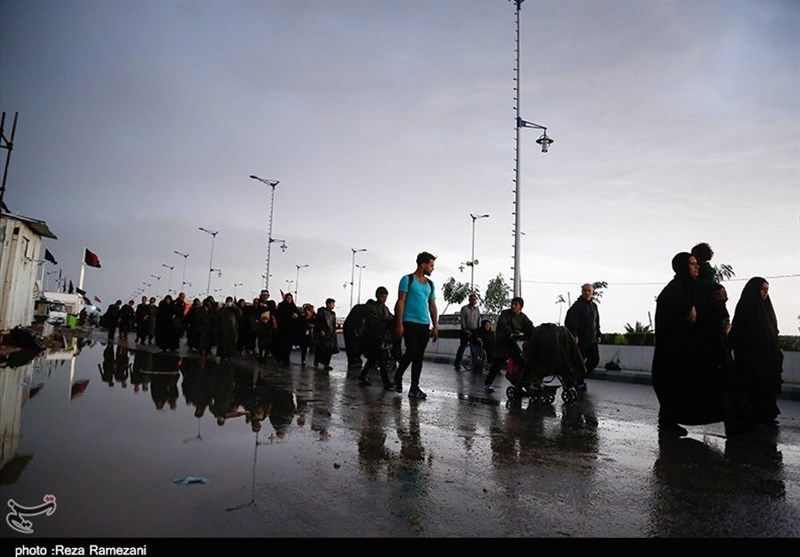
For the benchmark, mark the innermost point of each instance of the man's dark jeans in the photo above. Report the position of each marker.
(416, 337)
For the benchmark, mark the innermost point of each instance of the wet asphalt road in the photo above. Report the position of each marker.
(308, 453)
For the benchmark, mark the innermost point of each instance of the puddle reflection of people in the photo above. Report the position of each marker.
(196, 385)
(121, 365)
(372, 451)
(281, 413)
(109, 365)
(411, 469)
(742, 485)
(142, 363)
(321, 405)
(222, 386)
(164, 381)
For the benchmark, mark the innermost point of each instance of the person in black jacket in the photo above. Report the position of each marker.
(583, 321)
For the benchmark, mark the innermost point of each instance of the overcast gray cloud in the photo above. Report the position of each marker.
(387, 123)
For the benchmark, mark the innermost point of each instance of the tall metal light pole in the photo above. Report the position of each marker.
(543, 140)
(169, 283)
(360, 269)
(353, 272)
(213, 234)
(472, 260)
(297, 282)
(271, 184)
(183, 278)
(158, 281)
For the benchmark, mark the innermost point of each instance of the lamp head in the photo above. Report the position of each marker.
(544, 141)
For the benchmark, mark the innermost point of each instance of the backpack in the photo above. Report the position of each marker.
(411, 279)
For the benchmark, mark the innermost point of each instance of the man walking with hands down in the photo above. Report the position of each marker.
(583, 321)
(470, 319)
(415, 311)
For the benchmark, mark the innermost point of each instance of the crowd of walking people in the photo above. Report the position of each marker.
(706, 368)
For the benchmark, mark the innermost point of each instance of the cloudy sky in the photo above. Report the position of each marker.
(388, 123)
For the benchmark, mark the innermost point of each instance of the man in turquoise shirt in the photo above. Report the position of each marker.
(415, 311)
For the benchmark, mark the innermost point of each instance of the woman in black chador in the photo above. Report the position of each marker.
(288, 332)
(754, 339)
(166, 332)
(687, 393)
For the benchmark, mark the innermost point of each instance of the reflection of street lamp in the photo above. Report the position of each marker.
(360, 268)
(211, 258)
(169, 284)
(353, 272)
(297, 281)
(472, 261)
(271, 184)
(543, 140)
(183, 278)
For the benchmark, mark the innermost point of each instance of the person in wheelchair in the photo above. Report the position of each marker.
(486, 336)
(512, 326)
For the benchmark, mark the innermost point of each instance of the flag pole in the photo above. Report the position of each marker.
(44, 266)
(83, 269)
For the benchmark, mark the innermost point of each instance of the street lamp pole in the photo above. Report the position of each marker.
(297, 282)
(543, 140)
(360, 269)
(169, 283)
(271, 184)
(183, 278)
(213, 234)
(158, 281)
(353, 272)
(472, 261)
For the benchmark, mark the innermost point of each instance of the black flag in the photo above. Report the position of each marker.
(49, 257)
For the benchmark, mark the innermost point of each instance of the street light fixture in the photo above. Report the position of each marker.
(543, 140)
(235, 284)
(169, 283)
(213, 234)
(183, 278)
(472, 261)
(271, 184)
(297, 281)
(353, 272)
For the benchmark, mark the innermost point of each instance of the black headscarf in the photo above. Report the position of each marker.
(680, 264)
(754, 316)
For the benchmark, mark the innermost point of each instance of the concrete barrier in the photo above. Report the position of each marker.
(635, 361)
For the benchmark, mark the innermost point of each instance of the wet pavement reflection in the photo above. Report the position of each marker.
(134, 442)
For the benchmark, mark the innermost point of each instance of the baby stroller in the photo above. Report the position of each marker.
(549, 359)
(475, 358)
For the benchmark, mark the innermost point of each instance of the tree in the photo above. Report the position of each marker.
(724, 271)
(498, 295)
(598, 290)
(454, 292)
(637, 329)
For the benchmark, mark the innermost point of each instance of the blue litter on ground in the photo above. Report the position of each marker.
(190, 480)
